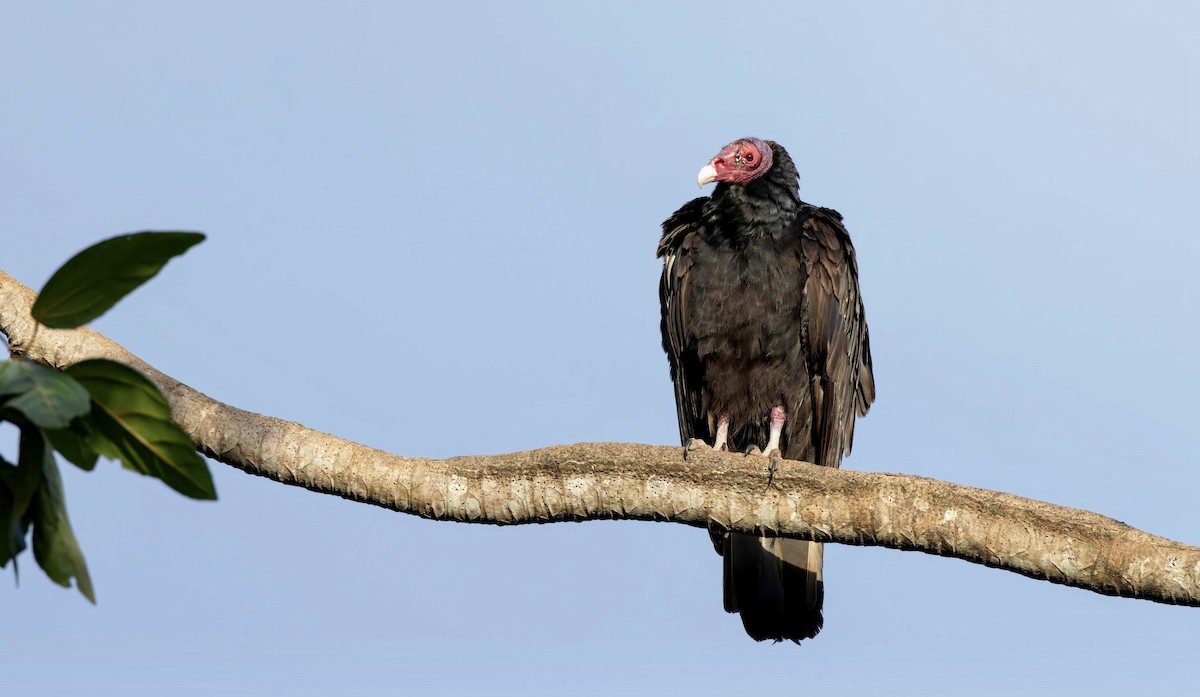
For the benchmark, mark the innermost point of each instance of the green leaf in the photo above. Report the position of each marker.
(15, 498)
(22, 484)
(27, 478)
(130, 412)
(82, 443)
(54, 545)
(94, 280)
(46, 397)
(79, 443)
(12, 537)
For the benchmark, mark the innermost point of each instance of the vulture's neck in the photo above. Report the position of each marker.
(765, 206)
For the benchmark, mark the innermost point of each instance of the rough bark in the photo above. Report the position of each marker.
(592, 481)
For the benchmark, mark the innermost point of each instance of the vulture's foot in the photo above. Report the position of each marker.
(773, 467)
(695, 444)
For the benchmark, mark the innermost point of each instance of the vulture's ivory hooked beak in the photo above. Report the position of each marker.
(707, 174)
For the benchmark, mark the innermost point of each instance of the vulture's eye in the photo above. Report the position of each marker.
(749, 157)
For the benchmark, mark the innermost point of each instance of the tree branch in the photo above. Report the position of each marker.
(593, 481)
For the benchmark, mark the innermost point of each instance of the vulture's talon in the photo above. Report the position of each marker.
(693, 445)
(773, 467)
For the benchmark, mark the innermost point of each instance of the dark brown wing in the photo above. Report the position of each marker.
(838, 347)
(680, 231)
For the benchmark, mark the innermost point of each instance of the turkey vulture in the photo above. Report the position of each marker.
(763, 326)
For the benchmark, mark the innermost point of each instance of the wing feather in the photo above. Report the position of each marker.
(839, 353)
(679, 234)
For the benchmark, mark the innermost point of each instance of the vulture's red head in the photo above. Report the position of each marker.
(740, 162)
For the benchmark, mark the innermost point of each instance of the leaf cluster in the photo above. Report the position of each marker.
(91, 409)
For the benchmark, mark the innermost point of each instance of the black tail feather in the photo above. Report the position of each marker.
(776, 584)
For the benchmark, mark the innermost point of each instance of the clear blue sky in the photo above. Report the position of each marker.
(432, 230)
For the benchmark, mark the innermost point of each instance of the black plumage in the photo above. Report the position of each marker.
(761, 311)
